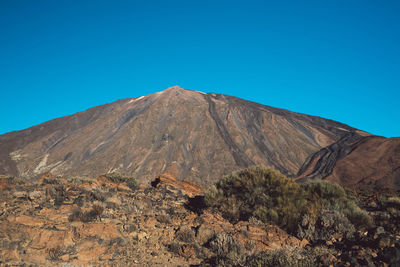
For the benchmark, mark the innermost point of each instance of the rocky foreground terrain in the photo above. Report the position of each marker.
(98, 223)
(112, 221)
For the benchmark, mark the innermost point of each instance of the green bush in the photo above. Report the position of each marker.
(391, 201)
(258, 192)
(228, 250)
(270, 197)
(50, 180)
(116, 177)
(292, 256)
(285, 257)
(78, 180)
(324, 195)
(328, 225)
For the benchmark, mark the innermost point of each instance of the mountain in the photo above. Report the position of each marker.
(192, 135)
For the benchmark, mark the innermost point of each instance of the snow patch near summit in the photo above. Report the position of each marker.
(134, 100)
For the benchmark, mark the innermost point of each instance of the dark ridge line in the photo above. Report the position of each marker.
(329, 156)
(303, 129)
(56, 143)
(241, 159)
(259, 140)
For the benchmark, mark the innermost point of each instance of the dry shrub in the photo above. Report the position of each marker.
(164, 218)
(88, 216)
(284, 257)
(228, 250)
(183, 250)
(185, 234)
(116, 177)
(55, 253)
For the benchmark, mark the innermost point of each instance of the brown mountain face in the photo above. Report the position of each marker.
(367, 162)
(195, 136)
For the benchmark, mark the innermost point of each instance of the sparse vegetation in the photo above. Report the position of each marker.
(78, 180)
(183, 250)
(57, 193)
(11, 180)
(164, 218)
(263, 193)
(270, 197)
(55, 253)
(185, 234)
(392, 201)
(228, 250)
(96, 195)
(116, 177)
(324, 195)
(284, 257)
(50, 180)
(328, 225)
(88, 216)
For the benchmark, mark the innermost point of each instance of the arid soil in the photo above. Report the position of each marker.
(145, 226)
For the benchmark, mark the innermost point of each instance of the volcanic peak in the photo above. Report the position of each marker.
(203, 136)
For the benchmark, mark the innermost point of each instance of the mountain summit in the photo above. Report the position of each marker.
(193, 135)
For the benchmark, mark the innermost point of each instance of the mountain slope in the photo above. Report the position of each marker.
(195, 136)
(371, 161)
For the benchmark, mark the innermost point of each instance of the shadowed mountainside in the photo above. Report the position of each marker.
(201, 136)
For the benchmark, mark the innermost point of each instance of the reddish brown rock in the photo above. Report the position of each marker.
(169, 181)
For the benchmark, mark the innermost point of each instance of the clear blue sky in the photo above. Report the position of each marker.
(336, 59)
